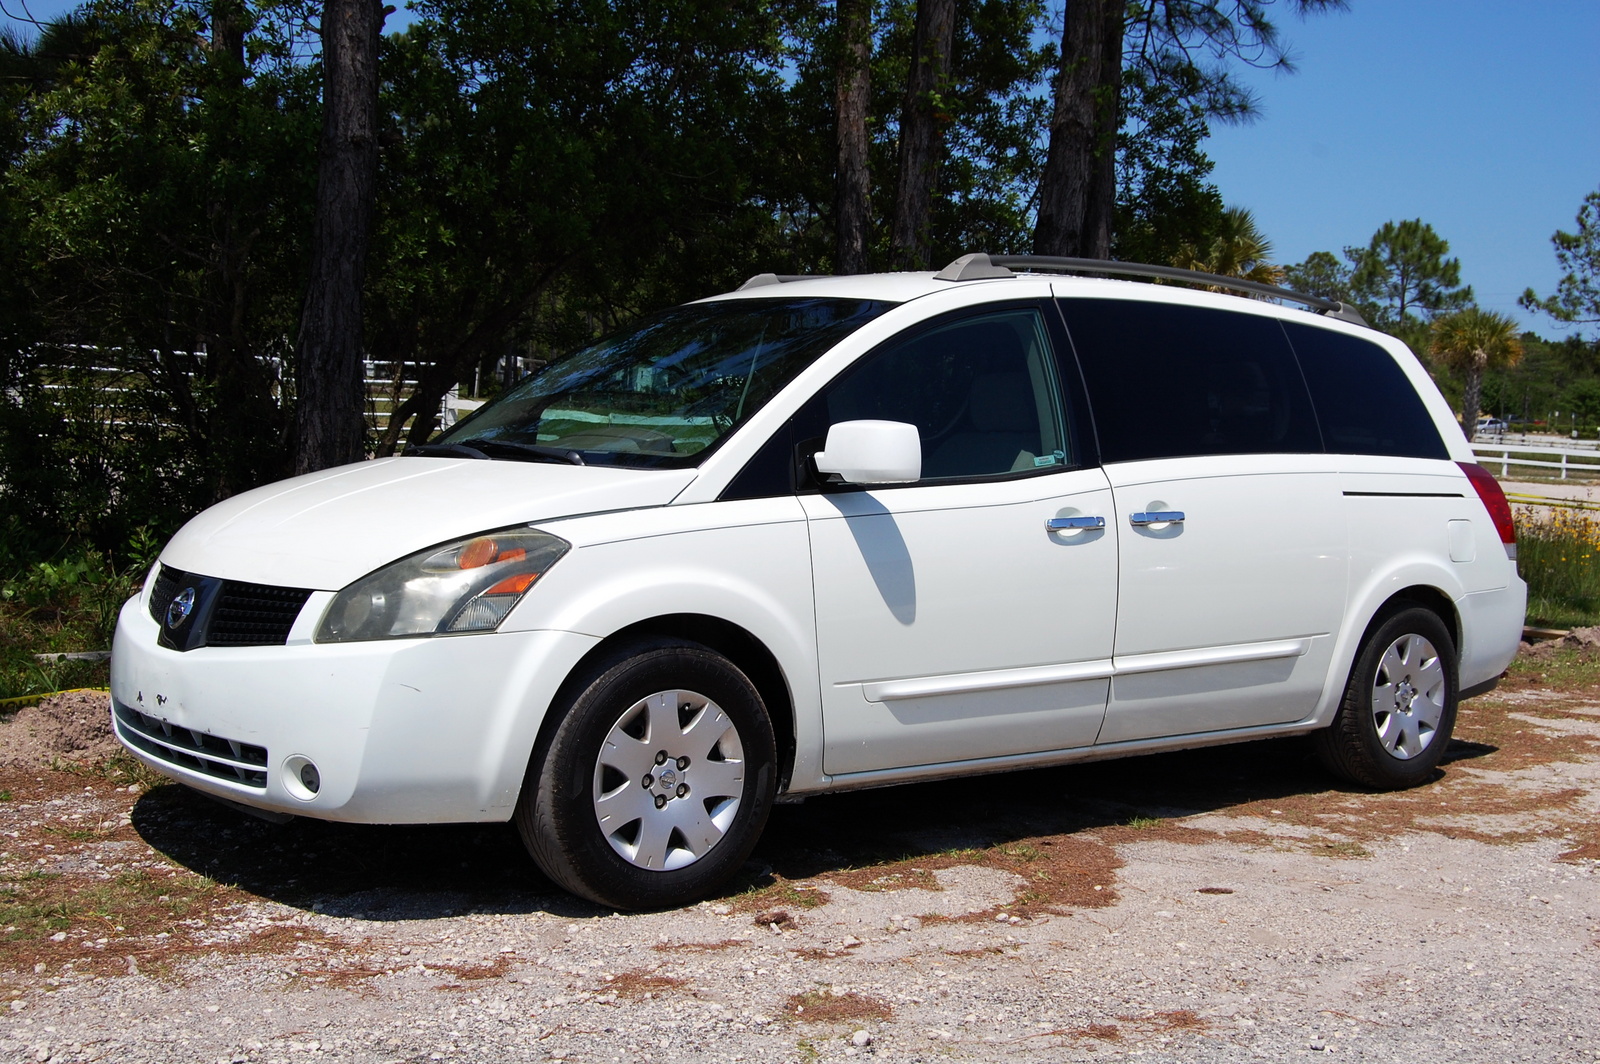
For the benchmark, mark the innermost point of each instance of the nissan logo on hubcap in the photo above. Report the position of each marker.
(182, 605)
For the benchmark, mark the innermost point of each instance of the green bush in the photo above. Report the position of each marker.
(64, 604)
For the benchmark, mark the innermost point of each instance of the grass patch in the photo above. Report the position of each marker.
(1556, 667)
(779, 892)
(120, 769)
(1143, 823)
(638, 983)
(38, 904)
(821, 1005)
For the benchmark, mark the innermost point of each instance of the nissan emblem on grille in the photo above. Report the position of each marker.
(182, 605)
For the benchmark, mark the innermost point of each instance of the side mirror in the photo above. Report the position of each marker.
(872, 452)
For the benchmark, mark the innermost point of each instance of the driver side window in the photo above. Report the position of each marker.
(980, 390)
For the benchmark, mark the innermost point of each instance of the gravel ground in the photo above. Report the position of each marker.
(1214, 905)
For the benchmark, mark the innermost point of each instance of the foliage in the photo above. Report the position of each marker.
(1400, 281)
(554, 173)
(1403, 278)
(1471, 341)
(62, 604)
(1321, 274)
(1187, 45)
(1543, 382)
(993, 111)
(1577, 297)
(1558, 554)
(1239, 249)
(155, 204)
(547, 172)
(1164, 201)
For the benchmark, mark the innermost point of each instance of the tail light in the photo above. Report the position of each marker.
(1494, 500)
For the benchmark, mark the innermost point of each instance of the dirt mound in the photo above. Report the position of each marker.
(1585, 640)
(75, 726)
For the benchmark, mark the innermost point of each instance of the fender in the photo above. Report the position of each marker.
(747, 563)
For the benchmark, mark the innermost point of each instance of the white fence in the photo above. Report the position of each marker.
(1562, 462)
(387, 385)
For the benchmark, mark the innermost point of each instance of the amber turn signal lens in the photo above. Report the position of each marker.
(513, 585)
(477, 553)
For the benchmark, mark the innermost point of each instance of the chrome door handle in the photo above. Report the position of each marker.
(1067, 524)
(1156, 517)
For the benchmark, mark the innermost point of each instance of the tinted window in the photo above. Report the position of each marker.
(1168, 381)
(980, 390)
(1364, 402)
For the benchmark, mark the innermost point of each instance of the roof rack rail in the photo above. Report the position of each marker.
(978, 266)
(762, 280)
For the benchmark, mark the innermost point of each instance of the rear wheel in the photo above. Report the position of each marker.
(1399, 704)
(656, 783)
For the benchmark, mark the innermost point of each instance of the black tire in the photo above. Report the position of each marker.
(580, 771)
(1382, 737)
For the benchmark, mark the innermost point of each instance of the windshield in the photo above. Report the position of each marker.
(663, 392)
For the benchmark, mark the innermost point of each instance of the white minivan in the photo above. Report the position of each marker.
(828, 533)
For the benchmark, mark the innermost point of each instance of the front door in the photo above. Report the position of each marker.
(954, 623)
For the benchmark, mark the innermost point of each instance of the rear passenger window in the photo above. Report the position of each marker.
(1169, 381)
(1364, 401)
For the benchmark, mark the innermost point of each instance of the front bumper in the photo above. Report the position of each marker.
(429, 730)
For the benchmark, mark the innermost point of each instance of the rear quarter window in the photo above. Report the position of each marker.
(1364, 401)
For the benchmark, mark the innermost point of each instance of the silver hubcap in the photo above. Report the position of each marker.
(668, 780)
(1408, 696)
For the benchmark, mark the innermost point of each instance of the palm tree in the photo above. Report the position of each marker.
(1472, 341)
(1238, 250)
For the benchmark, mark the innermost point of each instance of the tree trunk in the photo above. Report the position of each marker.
(1078, 191)
(329, 425)
(228, 24)
(1472, 393)
(244, 427)
(922, 122)
(852, 95)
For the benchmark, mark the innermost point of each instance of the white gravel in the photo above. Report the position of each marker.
(1427, 949)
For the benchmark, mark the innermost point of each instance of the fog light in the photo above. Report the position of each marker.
(301, 777)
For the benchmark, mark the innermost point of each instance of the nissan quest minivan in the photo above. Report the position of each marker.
(830, 533)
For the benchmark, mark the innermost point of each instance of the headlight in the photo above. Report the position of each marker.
(467, 586)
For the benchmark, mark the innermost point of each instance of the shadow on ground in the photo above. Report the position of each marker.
(394, 873)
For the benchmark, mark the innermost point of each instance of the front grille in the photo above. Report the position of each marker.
(198, 751)
(254, 615)
(225, 613)
(168, 583)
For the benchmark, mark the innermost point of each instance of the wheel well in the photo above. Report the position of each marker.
(732, 642)
(1429, 598)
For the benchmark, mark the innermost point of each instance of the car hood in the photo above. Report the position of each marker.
(323, 530)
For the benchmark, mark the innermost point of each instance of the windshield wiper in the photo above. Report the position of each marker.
(450, 450)
(486, 448)
(532, 450)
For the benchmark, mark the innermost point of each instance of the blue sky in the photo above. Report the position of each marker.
(1478, 117)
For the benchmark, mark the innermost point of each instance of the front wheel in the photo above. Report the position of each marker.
(656, 783)
(1399, 705)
